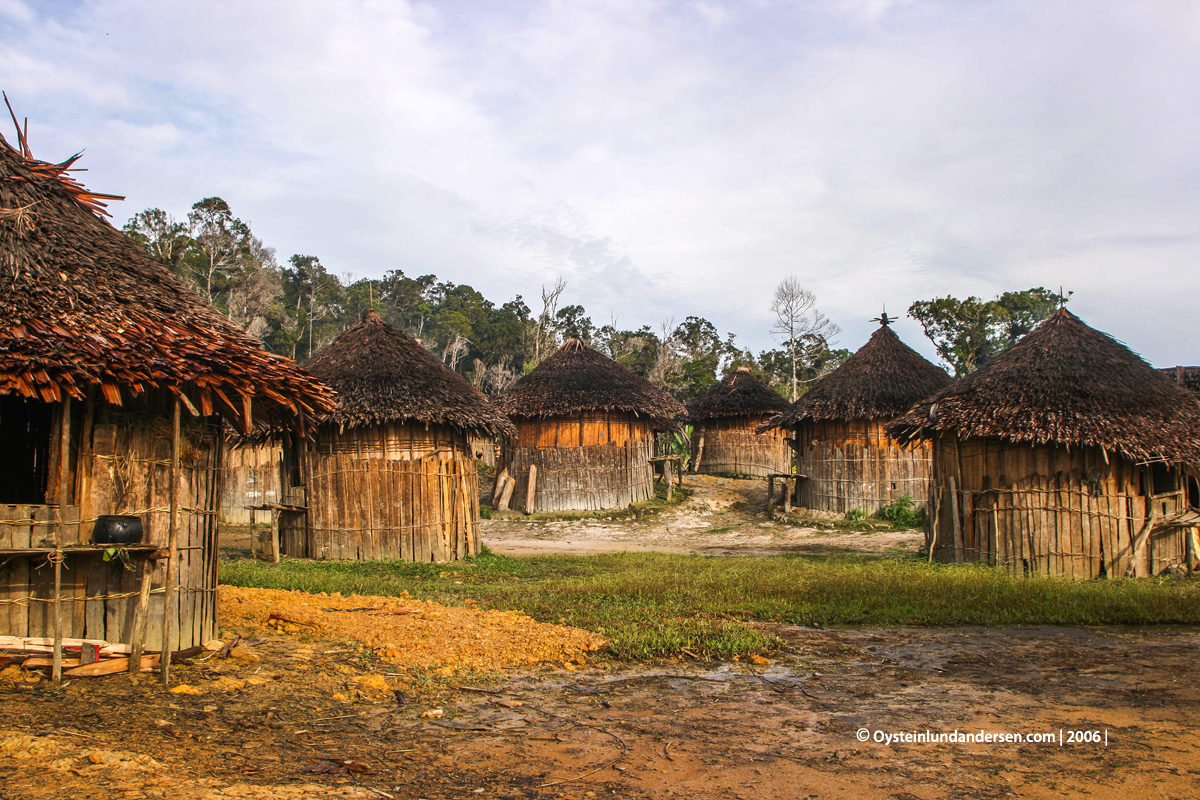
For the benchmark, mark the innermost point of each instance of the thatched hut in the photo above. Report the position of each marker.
(100, 349)
(724, 421)
(391, 473)
(1066, 454)
(847, 458)
(587, 425)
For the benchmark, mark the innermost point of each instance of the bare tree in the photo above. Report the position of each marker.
(668, 362)
(804, 330)
(545, 321)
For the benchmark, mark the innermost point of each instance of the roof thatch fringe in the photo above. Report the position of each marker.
(576, 379)
(382, 375)
(740, 394)
(1067, 383)
(82, 305)
(882, 380)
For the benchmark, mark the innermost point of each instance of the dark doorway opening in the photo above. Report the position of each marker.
(26, 427)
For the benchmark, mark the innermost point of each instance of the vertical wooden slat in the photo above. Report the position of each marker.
(170, 597)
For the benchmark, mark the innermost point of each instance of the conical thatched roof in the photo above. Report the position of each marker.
(82, 305)
(881, 381)
(576, 378)
(1071, 384)
(740, 394)
(382, 375)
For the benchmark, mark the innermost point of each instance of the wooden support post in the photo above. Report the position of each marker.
(699, 455)
(169, 619)
(787, 495)
(770, 492)
(253, 534)
(933, 532)
(140, 613)
(667, 478)
(529, 497)
(510, 483)
(64, 457)
(956, 522)
(275, 534)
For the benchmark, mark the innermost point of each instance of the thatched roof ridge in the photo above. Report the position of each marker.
(82, 306)
(740, 394)
(576, 378)
(382, 375)
(880, 381)
(1067, 383)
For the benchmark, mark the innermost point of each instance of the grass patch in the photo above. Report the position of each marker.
(655, 605)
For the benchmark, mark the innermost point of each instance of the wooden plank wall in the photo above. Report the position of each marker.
(251, 477)
(125, 469)
(731, 447)
(587, 462)
(390, 492)
(484, 449)
(1045, 509)
(855, 465)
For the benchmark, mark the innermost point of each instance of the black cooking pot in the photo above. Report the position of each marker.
(117, 529)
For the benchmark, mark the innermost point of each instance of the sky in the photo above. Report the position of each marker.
(666, 159)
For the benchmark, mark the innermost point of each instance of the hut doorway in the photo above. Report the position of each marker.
(26, 428)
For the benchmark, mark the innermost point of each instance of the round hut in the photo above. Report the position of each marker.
(725, 419)
(585, 430)
(114, 379)
(1066, 454)
(845, 458)
(391, 474)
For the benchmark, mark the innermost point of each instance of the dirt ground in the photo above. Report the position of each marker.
(272, 727)
(724, 516)
(302, 714)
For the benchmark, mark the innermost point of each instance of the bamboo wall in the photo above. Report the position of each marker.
(730, 446)
(1049, 510)
(856, 465)
(393, 491)
(250, 477)
(585, 462)
(484, 448)
(119, 464)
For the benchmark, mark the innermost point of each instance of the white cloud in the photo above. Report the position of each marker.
(667, 158)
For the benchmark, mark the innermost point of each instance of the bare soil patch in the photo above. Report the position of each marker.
(269, 725)
(724, 516)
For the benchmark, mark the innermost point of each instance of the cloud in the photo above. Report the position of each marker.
(668, 158)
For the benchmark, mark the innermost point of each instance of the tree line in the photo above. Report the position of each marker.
(299, 306)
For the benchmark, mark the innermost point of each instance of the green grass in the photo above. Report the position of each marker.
(655, 605)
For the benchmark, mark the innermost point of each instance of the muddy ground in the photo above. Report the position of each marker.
(297, 717)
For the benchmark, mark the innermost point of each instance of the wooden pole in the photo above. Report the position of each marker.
(275, 534)
(958, 534)
(529, 490)
(171, 588)
(139, 618)
(667, 478)
(64, 456)
(933, 534)
(253, 534)
(699, 454)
